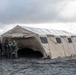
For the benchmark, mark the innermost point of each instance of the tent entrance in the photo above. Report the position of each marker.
(27, 52)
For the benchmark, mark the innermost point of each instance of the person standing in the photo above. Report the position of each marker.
(14, 49)
(0, 49)
(7, 48)
(10, 47)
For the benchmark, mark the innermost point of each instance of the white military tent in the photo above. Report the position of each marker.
(51, 43)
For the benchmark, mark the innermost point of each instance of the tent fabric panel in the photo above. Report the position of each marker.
(65, 46)
(60, 50)
(53, 51)
(68, 48)
(74, 43)
(46, 49)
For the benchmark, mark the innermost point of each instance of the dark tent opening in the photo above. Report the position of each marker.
(27, 52)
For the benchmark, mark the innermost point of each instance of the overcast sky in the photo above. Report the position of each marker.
(54, 14)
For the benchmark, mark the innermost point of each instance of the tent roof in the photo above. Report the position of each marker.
(42, 31)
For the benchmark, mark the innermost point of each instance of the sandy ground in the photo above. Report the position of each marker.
(37, 66)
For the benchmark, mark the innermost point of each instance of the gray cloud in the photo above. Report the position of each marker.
(28, 11)
(31, 11)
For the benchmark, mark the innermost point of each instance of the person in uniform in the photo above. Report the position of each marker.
(14, 48)
(0, 49)
(7, 48)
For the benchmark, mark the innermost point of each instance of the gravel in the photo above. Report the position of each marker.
(37, 66)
